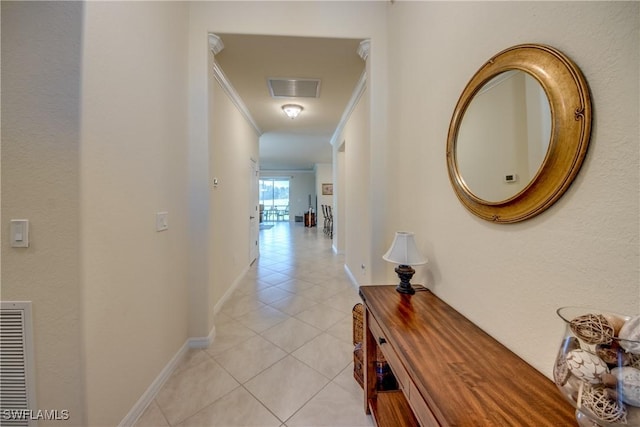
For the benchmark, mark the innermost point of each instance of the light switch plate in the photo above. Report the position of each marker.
(162, 221)
(19, 233)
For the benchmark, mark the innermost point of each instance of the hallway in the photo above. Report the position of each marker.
(282, 355)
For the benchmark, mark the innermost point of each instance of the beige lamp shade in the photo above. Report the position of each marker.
(404, 251)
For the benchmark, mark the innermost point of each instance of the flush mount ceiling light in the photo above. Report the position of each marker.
(292, 110)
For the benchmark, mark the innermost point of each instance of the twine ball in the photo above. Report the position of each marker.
(634, 360)
(611, 411)
(592, 329)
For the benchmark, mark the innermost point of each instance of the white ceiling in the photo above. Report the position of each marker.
(298, 144)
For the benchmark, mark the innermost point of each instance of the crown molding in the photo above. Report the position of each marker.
(215, 44)
(364, 49)
(363, 52)
(355, 97)
(233, 94)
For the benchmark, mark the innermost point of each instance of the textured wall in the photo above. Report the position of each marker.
(232, 144)
(133, 164)
(41, 66)
(357, 197)
(583, 250)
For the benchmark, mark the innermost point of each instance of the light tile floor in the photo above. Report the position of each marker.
(283, 352)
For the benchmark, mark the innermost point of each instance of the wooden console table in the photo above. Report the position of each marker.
(450, 372)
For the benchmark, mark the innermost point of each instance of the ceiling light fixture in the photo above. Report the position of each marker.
(292, 110)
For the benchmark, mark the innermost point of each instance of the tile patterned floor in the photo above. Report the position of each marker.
(282, 355)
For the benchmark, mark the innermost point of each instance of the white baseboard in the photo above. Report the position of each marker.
(147, 397)
(194, 342)
(352, 278)
(232, 288)
(202, 342)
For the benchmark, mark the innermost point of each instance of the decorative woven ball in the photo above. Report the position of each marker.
(612, 354)
(611, 411)
(561, 371)
(592, 329)
(630, 335)
(607, 354)
(634, 360)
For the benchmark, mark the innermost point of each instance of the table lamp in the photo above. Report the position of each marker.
(403, 251)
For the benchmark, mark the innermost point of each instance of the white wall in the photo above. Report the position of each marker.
(133, 162)
(95, 143)
(324, 175)
(339, 199)
(302, 188)
(509, 279)
(233, 143)
(41, 73)
(357, 195)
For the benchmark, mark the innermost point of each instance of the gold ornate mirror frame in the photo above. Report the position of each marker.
(570, 107)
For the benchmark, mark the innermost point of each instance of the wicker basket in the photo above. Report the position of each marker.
(358, 322)
(358, 357)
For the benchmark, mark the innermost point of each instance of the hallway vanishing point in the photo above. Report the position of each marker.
(283, 349)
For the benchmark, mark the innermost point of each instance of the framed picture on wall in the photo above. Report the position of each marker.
(327, 189)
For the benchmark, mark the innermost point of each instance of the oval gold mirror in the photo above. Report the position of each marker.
(519, 133)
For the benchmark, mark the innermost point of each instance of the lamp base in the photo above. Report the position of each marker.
(405, 273)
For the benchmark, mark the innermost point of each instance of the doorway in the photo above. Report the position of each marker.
(254, 226)
(274, 199)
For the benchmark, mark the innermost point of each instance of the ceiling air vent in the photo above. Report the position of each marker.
(294, 88)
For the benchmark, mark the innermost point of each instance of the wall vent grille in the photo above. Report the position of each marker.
(294, 88)
(17, 391)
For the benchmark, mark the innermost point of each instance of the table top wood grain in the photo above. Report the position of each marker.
(466, 377)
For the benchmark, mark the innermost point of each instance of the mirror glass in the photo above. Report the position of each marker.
(504, 136)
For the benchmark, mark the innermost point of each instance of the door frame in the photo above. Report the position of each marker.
(254, 212)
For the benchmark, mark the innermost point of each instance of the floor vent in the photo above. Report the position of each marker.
(17, 385)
